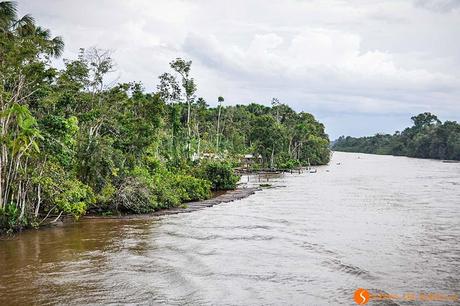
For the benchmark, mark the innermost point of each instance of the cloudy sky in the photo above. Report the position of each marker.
(360, 66)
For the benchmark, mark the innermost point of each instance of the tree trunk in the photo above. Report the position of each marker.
(218, 129)
(188, 127)
(199, 139)
(39, 200)
(272, 157)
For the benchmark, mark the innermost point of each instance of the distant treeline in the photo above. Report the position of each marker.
(427, 138)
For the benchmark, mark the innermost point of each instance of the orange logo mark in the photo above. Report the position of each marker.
(361, 296)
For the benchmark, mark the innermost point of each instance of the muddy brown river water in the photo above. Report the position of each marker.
(389, 224)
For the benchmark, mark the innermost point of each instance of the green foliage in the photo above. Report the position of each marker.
(21, 139)
(316, 150)
(220, 174)
(134, 196)
(427, 138)
(171, 189)
(265, 135)
(9, 217)
(60, 137)
(287, 163)
(74, 198)
(62, 191)
(191, 188)
(144, 192)
(106, 194)
(71, 142)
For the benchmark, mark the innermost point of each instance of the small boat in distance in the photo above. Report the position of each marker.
(313, 170)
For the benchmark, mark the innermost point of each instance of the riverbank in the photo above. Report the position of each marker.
(241, 191)
(226, 197)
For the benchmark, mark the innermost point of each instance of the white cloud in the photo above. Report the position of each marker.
(439, 5)
(328, 56)
(318, 61)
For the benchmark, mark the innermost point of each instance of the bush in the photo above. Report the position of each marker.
(192, 188)
(220, 174)
(106, 194)
(144, 192)
(74, 198)
(134, 196)
(67, 194)
(162, 187)
(173, 189)
(9, 218)
(287, 163)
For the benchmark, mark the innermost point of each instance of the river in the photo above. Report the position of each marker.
(385, 223)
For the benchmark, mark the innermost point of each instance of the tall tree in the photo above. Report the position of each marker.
(182, 67)
(25, 51)
(220, 100)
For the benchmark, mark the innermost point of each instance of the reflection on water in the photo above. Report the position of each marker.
(381, 222)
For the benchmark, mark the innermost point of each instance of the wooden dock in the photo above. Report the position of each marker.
(270, 171)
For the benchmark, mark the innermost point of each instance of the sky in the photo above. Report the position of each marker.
(361, 67)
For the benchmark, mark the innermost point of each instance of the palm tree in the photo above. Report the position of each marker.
(22, 45)
(7, 14)
(9, 22)
(12, 27)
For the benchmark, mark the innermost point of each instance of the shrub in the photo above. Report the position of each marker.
(162, 187)
(144, 192)
(173, 189)
(106, 194)
(288, 163)
(67, 194)
(74, 198)
(220, 174)
(134, 196)
(9, 218)
(192, 188)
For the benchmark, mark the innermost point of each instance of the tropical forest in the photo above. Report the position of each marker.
(73, 143)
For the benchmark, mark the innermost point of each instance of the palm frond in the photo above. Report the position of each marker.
(8, 9)
(43, 33)
(58, 46)
(25, 24)
(8, 13)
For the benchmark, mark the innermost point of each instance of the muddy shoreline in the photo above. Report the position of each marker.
(226, 197)
(229, 196)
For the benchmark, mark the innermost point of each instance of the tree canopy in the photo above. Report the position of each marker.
(428, 137)
(71, 142)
